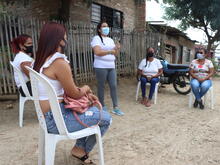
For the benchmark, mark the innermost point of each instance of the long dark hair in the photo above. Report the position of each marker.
(19, 40)
(98, 28)
(50, 36)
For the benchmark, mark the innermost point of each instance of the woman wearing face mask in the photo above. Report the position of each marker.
(52, 64)
(105, 51)
(149, 69)
(201, 71)
(22, 46)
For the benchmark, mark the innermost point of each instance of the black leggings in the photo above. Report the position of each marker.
(29, 89)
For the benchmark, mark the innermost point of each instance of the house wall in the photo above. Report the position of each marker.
(40, 9)
(177, 42)
(80, 12)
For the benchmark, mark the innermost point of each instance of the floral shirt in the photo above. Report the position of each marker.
(201, 71)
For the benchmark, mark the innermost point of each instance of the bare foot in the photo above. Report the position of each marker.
(80, 154)
(144, 101)
(148, 104)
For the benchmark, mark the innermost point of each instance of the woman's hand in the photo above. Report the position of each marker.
(117, 48)
(92, 97)
(86, 89)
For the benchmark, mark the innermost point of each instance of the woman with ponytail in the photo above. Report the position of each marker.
(149, 69)
(105, 51)
(22, 46)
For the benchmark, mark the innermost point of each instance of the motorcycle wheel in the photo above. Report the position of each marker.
(182, 84)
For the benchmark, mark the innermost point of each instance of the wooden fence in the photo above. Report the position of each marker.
(79, 52)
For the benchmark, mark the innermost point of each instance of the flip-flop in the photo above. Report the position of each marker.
(83, 159)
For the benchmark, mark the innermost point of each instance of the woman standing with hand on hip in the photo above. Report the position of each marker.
(105, 51)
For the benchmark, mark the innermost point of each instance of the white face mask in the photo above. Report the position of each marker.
(200, 56)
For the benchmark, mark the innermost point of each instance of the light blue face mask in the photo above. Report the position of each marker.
(105, 30)
(200, 56)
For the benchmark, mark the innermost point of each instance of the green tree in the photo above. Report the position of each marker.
(200, 14)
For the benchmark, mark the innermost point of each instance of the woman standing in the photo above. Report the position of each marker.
(52, 64)
(22, 46)
(149, 69)
(105, 51)
(201, 70)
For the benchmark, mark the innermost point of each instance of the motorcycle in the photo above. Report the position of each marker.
(177, 74)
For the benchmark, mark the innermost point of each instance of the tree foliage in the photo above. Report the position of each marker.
(201, 14)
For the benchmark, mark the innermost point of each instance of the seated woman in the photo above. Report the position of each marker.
(149, 69)
(52, 64)
(201, 71)
(22, 46)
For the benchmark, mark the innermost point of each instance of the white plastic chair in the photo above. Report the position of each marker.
(147, 84)
(209, 95)
(48, 141)
(22, 99)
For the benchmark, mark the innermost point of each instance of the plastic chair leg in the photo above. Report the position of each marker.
(155, 94)
(41, 144)
(50, 147)
(137, 90)
(212, 99)
(101, 154)
(190, 99)
(21, 110)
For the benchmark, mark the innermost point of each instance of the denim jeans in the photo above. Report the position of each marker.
(109, 74)
(152, 82)
(86, 143)
(199, 89)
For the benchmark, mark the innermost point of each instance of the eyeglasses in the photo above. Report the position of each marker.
(201, 52)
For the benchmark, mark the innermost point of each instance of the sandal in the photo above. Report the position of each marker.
(83, 159)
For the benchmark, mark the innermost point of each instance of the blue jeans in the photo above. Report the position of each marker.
(86, 143)
(152, 82)
(109, 74)
(199, 89)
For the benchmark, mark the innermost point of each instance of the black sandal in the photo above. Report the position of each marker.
(83, 159)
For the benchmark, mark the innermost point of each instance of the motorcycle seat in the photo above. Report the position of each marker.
(177, 66)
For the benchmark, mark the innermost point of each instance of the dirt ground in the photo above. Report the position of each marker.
(169, 133)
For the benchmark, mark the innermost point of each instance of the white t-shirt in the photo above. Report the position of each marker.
(19, 58)
(201, 71)
(151, 68)
(107, 61)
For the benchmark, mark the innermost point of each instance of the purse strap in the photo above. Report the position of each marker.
(100, 116)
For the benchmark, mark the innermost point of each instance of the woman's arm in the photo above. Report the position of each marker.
(23, 64)
(192, 74)
(211, 72)
(99, 52)
(160, 72)
(63, 74)
(139, 73)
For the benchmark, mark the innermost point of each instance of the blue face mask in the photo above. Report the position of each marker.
(200, 56)
(105, 30)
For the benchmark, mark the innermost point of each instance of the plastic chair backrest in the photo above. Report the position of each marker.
(21, 80)
(53, 101)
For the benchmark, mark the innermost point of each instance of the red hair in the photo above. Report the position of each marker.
(20, 40)
(50, 36)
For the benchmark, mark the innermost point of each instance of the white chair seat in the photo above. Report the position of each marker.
(208, 97)
(22, 99)
(48, 141)
(147, 84)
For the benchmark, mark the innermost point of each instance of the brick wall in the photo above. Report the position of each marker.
(37, 8)
(134, 15)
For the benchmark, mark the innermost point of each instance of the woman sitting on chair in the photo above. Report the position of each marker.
(201, 70)
(149, 69)
(22, 46)
(52, 64)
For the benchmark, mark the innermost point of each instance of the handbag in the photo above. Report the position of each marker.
(80, 106)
